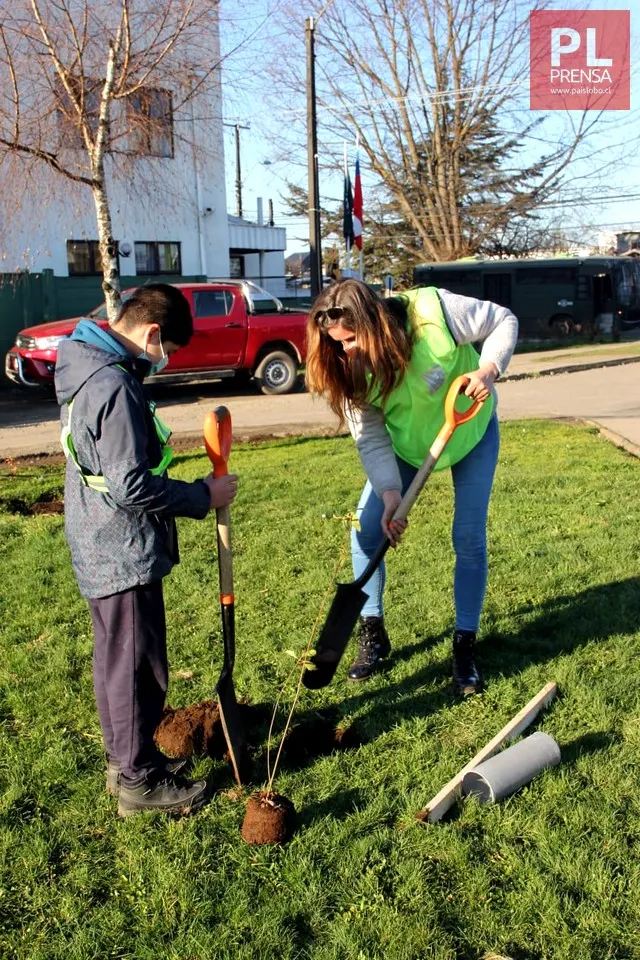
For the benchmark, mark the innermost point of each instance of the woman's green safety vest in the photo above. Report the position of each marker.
(163, 434)
(414, 410)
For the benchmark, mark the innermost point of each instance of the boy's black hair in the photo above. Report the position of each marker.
(162, 304)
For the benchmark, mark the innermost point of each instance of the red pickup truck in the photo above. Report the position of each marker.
(239, 329)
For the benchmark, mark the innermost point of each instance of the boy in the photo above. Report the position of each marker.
(120, 507)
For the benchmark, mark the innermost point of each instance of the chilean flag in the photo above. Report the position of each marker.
(357, 207)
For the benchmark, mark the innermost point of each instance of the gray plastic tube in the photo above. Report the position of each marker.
(512, 768)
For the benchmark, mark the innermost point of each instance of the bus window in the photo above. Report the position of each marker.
(497, 288)
(545, 275)
(583, 290)
(454, 279)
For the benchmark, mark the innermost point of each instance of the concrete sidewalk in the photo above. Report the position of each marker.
(596, 382)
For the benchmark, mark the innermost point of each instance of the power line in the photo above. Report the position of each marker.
(456, 95)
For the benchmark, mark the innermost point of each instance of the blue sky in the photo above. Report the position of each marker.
(268, 160)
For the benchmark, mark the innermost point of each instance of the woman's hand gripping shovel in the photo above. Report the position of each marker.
(350, 598)
(217, 440)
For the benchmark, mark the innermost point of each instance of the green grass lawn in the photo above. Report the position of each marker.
(552, 872)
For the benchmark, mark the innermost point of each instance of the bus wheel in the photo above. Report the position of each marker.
(561, 325)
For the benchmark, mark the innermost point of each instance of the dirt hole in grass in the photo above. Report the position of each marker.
(318, 736)
(48, 503)
(270, 818)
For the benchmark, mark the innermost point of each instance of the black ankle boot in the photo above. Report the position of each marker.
(466, 677)
(373, 646)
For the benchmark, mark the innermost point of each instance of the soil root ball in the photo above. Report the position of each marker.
(270, 818)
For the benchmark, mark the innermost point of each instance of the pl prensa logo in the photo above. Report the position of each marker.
(580, 59)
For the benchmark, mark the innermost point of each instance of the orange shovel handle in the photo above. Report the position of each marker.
(217, 439)
(452, 416)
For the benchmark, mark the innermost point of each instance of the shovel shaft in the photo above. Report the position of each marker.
(217, 439)
(227, 600)
(401, 513)
(418, 482)
(225, 558)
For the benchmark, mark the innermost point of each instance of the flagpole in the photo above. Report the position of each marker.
(347, 241)
(315, 242)
(362, 240)
(357, 210)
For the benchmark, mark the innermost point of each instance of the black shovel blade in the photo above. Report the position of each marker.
(227, 702)
(232, 727)
(334, 637)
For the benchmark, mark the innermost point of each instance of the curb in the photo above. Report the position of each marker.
(570, 368)
(615, 438)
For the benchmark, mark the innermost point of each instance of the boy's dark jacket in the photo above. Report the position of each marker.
(126, 537)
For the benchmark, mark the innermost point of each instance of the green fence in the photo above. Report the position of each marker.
(27, 299)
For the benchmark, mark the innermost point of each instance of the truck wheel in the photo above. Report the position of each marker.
(277, 373)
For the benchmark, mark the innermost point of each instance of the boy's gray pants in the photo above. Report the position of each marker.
(130, 674)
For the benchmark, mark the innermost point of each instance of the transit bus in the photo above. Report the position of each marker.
(552, 298)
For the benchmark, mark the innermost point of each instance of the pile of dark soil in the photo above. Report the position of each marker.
(270, 818)
(191, 730)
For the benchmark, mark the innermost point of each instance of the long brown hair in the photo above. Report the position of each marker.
(384, 342)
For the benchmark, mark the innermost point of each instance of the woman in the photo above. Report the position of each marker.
(385, 366)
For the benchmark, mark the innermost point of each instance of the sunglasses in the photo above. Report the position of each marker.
(327, 318)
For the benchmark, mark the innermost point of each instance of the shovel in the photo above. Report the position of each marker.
(217, 440)
(350, 598)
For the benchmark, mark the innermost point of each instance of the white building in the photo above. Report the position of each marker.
(167, 197)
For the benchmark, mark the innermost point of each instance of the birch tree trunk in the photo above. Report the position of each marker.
(108, 247)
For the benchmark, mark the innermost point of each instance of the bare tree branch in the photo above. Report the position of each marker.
(88, 89)
(436, 93)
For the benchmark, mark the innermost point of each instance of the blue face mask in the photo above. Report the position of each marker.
(157, 366)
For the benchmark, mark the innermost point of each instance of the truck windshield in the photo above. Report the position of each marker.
(259, 300)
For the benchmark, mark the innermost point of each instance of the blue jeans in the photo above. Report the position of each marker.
(472, 482)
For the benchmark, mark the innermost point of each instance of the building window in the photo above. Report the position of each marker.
(236, 267)
(150, 115)
(83, 258)
(69, 120)
(153, 257)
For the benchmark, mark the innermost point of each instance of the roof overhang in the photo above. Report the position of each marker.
(247, 237)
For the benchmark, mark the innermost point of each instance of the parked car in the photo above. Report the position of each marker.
(239, 329)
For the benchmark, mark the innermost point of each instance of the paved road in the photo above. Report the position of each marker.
(609, 395)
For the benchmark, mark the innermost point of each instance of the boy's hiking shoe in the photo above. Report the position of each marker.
(466, 676)
(373, 647)
(161, 792)
(113, 773)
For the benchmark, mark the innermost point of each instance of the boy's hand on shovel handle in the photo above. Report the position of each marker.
(222, 490)
(393, 529)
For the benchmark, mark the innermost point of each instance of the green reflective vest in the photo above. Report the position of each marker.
(414, 410)
(163, 434)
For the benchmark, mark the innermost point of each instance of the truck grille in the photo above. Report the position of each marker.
(25, 343)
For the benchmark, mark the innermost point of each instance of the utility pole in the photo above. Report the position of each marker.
(315, 240)
(238, 127)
